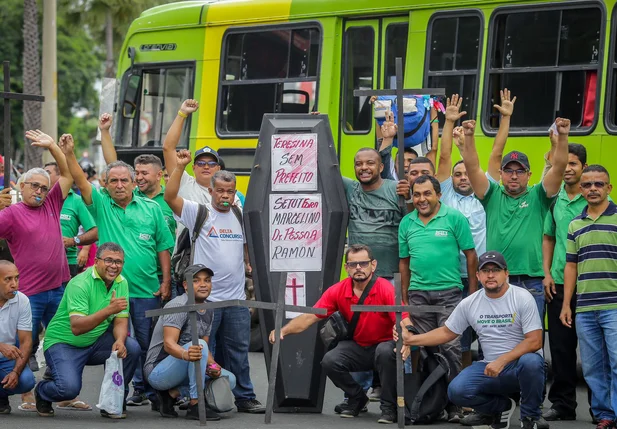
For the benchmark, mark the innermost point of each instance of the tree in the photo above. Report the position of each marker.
(31, 78)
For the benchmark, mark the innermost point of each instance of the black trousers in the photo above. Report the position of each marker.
(562, 342)
(348, 357)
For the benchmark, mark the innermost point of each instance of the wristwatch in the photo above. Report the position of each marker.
(77, 240)
(409, 201)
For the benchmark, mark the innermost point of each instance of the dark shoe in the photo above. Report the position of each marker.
(182, 402)
(154, 406)
(138, 398)
(43, 407)
(606, 424)
(166, 404)
(252, 406)
(502, 421)
(455, 414)
(114, 416)
(338, 409)
(32, 363)
(375, 395)
(552, 415)
(476, 419)
(388, 416)
(528, 423)
(542, 423)
(5, 407)
(355, 405)
(192, 413)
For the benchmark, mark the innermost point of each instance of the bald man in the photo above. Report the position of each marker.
(15, 322)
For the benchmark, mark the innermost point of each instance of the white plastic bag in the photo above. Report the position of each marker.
(111, 397)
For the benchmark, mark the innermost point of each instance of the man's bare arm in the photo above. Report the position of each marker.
(505, 109)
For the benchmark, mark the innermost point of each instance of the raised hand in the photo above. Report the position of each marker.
(459, 136)
(453, 107)
(183, 157)
(563, 126)
(39, 138)
(66, 143)
(105, 121)
(507, 104)
(389, 128)
(469, 127)
(117, 304)
(189, 106)
(5, 198)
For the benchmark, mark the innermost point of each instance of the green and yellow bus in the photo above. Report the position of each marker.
(244, 58)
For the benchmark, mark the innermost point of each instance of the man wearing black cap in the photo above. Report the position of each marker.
(515, 212)
(509, 328)
(167, 365)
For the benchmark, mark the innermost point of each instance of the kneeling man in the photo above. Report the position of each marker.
(168, 365)
(15, 322)
(371, 338)
(90, 324)
(508, 325)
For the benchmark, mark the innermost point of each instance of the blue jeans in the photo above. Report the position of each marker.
(24, 384)
(141, 330)
(231, 330)
(535, 288)
(489, 395)
(43, 306)
(173, 373)
(66, 364)
(597, 337)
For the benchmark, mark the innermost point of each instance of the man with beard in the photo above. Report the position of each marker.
(435, 233)
(562, 340)
(372, 337)
(515, 212)
(591, 271)
(509, 328)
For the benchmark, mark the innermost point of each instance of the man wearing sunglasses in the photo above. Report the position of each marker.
(591, 271)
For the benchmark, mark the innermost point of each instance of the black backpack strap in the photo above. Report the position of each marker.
(236, 210)
(433, 378)
(202, 216)
(356, 314)
(415, 130)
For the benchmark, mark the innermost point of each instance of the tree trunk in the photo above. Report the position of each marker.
(110, 69)
(32, 80)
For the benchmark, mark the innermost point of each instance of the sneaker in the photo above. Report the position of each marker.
(455, 414)
(476, 419)
(192, 413)
(5, 407)
(32, 363)
(606, 424)
(553, 415)
(388, 416)
(542, 423)
(138, 398)
(338, 409)
(252, 406)
(114, 416)
(355, 405)
(43, 407)
(166, 404)
(502, 421)
(183, 403)
(528, 423)
(375, 395)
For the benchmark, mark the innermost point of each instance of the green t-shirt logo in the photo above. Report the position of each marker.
(441, 233)
(523, 205)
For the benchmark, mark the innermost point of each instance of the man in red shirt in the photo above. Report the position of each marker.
(372, 336)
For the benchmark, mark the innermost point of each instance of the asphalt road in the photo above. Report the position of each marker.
(142, 417)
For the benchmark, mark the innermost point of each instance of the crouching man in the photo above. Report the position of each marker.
(90, 324)
(15, 322)
(507, 322)
(169, 366)
(372, 335)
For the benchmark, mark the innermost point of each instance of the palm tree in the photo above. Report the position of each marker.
(32, 79)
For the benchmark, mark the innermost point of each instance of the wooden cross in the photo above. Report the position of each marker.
(398, 309)
(279, 309)
(7, 95)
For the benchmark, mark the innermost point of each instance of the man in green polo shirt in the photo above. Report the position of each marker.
(430, 240)
(137, 224)
(591, 271)
(90, 324)
(515, 212)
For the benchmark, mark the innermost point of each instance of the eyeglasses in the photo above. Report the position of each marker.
(109, 262)
(519, 171)
(35, 187)
(491, 270)
(362, 264)
(588, 185)
(202, 163)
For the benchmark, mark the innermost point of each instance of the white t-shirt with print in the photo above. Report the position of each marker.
(501, 324)
(220, 247)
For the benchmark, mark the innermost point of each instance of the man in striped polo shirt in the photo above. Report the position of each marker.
(591, 269)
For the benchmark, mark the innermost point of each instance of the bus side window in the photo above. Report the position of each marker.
(550, 60)
(453, 57)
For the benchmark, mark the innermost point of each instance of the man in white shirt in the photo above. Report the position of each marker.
(15, 322)
(221, 245)
(508, 326)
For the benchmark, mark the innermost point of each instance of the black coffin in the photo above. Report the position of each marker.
(302, 206)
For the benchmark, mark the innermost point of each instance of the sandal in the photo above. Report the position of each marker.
(74, 406)
(28, 407)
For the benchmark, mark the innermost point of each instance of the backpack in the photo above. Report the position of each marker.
(185, 246)
(416, 119)
(426, 390)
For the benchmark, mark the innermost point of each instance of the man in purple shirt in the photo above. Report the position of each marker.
(32, 231)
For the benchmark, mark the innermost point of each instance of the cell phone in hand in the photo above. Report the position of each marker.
(553, 128)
